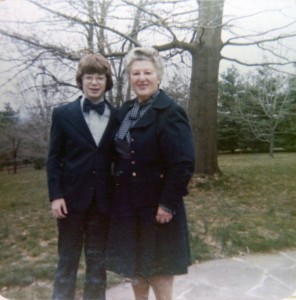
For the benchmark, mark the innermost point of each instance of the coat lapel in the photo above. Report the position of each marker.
(149, 117)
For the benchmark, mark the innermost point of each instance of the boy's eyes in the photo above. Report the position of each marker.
(90, 78)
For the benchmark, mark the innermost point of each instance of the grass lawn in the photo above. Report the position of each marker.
(250, 208)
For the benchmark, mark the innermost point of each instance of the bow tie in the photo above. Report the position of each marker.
(99, 107)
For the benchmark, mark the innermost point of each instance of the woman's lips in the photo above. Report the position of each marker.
(142, 86)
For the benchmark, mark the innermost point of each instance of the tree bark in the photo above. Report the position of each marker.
(204, 85)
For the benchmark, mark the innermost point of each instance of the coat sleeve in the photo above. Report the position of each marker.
(55, 158)
(177, 150)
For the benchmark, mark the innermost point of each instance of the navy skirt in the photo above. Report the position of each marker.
(137, 245)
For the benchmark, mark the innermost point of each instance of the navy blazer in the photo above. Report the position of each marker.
(162, 157)
(77, 169)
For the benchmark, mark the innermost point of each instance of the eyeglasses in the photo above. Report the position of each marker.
(91, 78)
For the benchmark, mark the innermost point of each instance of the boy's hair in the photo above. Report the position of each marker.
(94, 63)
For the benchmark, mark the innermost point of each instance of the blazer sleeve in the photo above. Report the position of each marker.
(176, 146)
(55, 157)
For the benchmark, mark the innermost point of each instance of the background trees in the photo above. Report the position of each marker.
(256, 111)
(11, 138)
(230, 125)
(192, 35)
(265, 105)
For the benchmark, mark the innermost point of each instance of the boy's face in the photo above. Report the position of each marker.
(94, 86)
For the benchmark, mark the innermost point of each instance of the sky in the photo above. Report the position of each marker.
(267, 15)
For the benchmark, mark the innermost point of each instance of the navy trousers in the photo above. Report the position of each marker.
(86, 231)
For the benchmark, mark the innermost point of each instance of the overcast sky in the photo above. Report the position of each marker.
(270, 16)
(273, 13)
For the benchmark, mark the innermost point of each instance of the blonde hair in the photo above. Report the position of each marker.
(144, 54)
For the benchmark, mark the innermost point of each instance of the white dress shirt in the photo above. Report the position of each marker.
(96, 123)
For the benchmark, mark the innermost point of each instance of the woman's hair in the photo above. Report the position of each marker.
(94, 63)
(144, 54)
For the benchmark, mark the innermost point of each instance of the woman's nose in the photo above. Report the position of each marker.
(142, 76)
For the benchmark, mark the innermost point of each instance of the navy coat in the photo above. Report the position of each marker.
(78, 170)
(162, 159)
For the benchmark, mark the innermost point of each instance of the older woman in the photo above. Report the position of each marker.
(148, 237)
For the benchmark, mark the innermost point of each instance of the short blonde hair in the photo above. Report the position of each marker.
(94, 63)
(144, 54)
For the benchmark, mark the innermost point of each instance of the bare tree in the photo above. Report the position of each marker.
(188, 32)
(39, 95)
(264, 104)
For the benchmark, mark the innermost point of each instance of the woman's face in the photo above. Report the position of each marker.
(144, 79)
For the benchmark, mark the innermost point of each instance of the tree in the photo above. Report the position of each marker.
(265, 105)
(286, 136)
(187, 31)
(11, 138)
(204, 84)
(38, 102)
(229, 119)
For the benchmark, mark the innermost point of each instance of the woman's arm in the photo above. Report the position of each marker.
(176, 146)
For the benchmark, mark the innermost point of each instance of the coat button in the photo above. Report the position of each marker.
(132, 140)
(94, 172)
(132, 151)
(134, 174)
(133, 162)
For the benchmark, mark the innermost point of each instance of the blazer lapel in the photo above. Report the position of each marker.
(76, 119)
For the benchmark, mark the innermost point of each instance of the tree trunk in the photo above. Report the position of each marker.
(204, 86)
(271, 145)
(14, 161)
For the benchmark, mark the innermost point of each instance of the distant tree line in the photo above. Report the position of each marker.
(256, 113)
(22, 142)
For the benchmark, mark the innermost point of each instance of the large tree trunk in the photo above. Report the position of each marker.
(204, 86)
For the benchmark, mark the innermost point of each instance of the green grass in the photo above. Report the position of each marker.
(27, 231)
(250, 208)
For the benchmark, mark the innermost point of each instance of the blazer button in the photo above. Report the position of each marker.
(134, 174)
(132, 140)
(132, 151)
(94, 172)
(133, 162)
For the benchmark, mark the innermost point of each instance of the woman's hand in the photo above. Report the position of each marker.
(162, 216)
